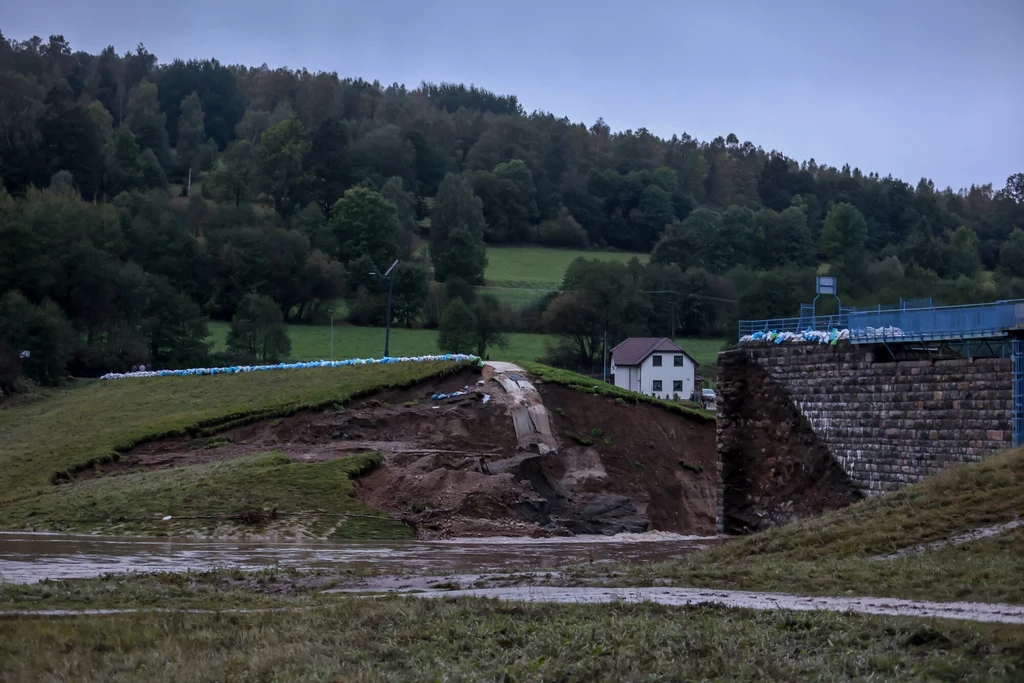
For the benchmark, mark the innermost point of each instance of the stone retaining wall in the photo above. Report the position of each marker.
(886, 424)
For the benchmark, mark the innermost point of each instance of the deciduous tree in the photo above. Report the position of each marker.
(278, 159)
(365, 224)
(457, 232)
(844, 237)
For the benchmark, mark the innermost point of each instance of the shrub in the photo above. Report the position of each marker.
(563, 231)
(458, 328)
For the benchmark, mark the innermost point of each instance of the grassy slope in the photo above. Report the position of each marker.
(355, 639)
(837, 552)
(596, 386)
(88, 423)
(310, 499)
(540, 265)
(521, 275)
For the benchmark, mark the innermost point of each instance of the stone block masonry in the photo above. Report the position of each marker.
(877, 426)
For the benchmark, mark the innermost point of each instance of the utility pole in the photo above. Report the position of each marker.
(672, 317)
(387, 330)
(604, 364)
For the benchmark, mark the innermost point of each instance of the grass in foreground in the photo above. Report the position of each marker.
(839, 552)
(214, 498)
(356, 639)
(89, 423)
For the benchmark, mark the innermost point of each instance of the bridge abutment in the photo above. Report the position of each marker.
(804, 427)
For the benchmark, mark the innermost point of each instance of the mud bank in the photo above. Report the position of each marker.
(29, 557)
(673, 597)
(504, 456)
(679, 597)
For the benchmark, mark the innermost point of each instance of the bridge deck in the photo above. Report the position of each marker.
(943, 323)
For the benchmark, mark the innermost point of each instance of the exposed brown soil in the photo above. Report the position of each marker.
(453, 467)
(775, 469)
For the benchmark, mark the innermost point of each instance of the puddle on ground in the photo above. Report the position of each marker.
(31, 557)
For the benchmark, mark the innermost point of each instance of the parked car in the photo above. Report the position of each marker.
(709, 399)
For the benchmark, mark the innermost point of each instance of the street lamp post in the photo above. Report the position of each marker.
(332, 335)
(387, 330)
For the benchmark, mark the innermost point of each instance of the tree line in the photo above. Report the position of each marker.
(142, 198)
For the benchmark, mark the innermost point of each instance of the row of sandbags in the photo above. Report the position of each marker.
(833, 337)
(235, 369)
(821, 337)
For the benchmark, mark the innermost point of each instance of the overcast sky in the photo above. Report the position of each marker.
(910, 87)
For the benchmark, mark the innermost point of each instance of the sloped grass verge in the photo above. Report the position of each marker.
(845, 552)
(588, 385)
(949, 503)
(265, 494)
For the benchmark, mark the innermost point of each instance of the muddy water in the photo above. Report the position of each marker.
(27, 557)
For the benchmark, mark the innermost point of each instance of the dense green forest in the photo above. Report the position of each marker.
(139, 199)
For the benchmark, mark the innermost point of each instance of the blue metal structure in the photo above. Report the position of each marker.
(1018, 392)
(904, 323)
(977, 321)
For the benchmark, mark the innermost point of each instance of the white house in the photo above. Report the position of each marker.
(654, 366)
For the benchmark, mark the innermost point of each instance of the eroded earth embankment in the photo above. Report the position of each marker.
(506, 455)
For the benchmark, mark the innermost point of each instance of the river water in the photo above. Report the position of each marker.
(31, 557)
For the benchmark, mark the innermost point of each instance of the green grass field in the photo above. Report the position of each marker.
(313, 342)
(521, 275)
(541, 265)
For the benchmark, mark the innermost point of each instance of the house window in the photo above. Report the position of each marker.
(657, 361)
(677, 385)
(657, 383)
(677, 361)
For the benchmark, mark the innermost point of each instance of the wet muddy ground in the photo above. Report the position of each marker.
(679, 597)
(27, 558)
(460, 466)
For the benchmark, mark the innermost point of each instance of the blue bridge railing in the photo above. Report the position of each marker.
(976, 321)
(903, 323)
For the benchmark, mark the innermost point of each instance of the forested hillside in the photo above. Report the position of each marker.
(143, 198)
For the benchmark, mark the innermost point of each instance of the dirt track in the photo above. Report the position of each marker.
(454, 467)
(1002, 613)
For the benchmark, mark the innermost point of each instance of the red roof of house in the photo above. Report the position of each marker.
(635, 350)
